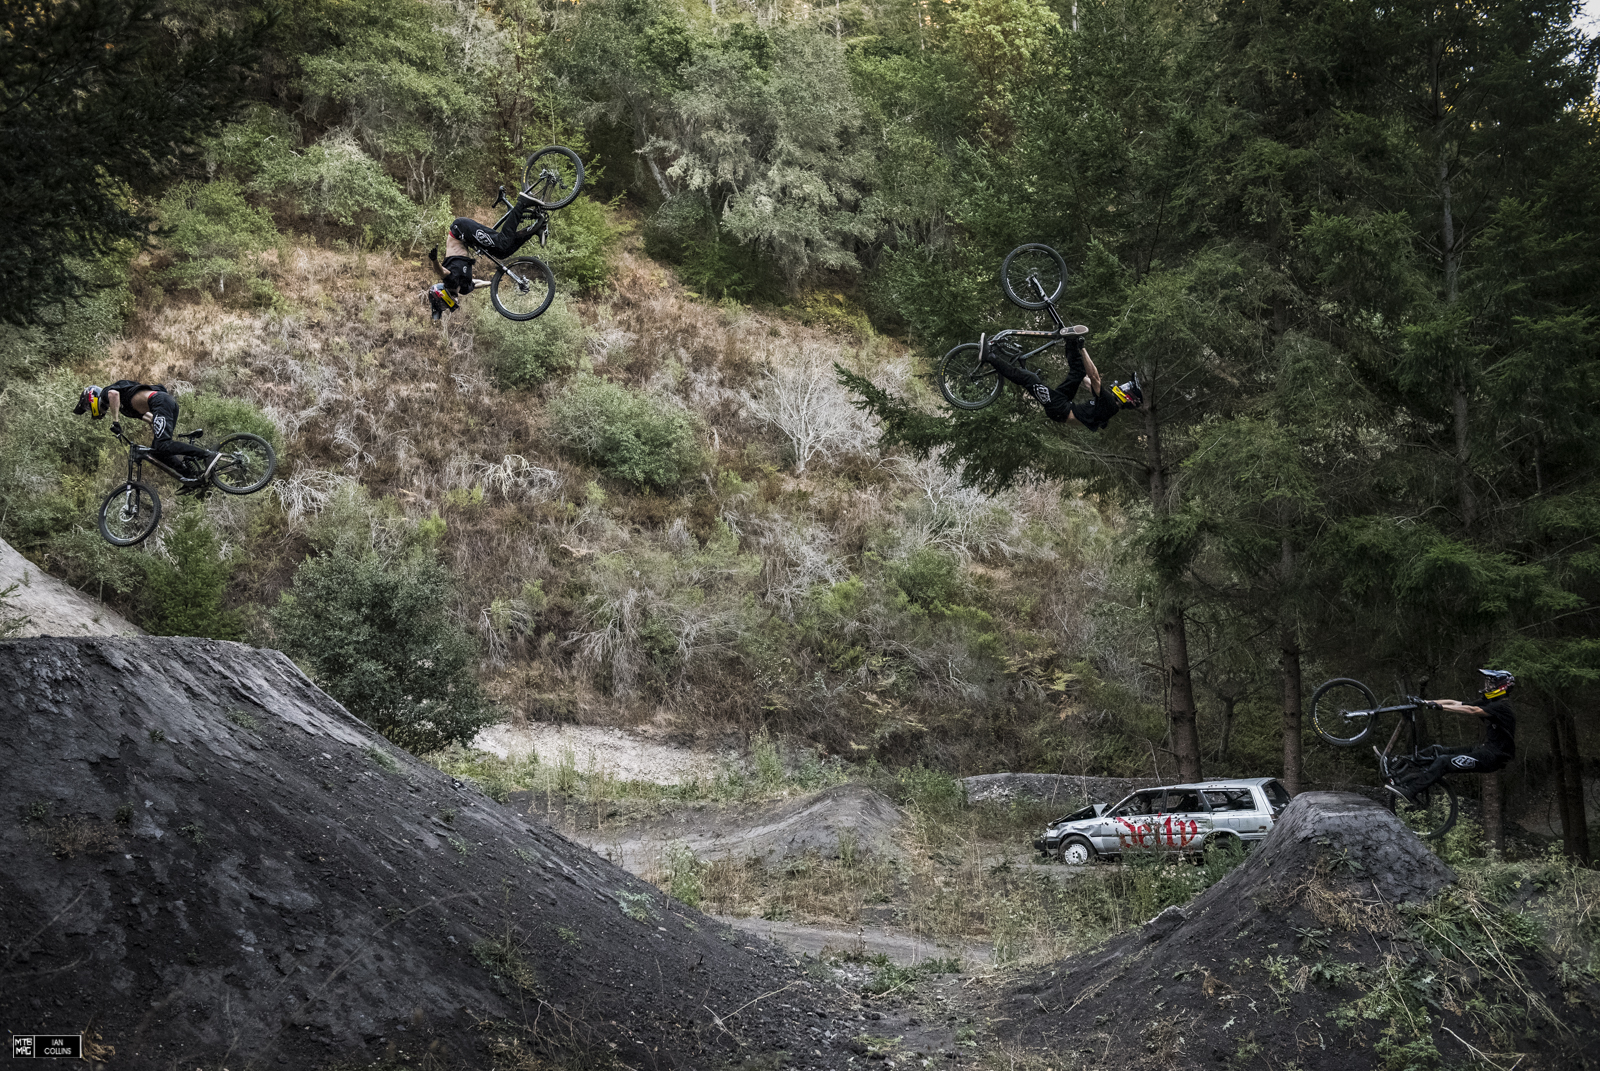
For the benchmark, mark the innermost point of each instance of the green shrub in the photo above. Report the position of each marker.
(523, 354)
(630, 435)
(71, 331)
(375, 634)
(335, 180)
(214, 230)
(221, 416)
(183, 594)
(930, 577)
(582, 238)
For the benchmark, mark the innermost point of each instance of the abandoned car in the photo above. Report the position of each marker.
(1174, 818)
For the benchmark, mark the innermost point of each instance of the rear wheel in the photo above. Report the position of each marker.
(1033, 276)
(523, 289)
(966, 381)
(553, 176)
(247, 463)
(1342, 711)
(1432, 815)
(129, 514)
(1075, 851)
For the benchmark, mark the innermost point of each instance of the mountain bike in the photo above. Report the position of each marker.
(523, 287)
(240, 464)
(1032, 277)
(1344, 712)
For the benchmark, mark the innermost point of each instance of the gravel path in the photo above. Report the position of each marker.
(613, 752)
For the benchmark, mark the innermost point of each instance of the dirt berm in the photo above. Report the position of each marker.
(209, 862)
(1339, 944)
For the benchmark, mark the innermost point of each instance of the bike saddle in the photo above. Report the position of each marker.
(194, 435)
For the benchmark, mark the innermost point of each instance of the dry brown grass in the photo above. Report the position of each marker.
(367, 393)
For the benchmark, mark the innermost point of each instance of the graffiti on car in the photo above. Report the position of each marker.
(1170, 832)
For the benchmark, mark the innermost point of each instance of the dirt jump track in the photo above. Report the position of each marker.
(1261, 969)
(212, 864)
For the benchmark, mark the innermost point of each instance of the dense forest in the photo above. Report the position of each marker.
(1351, 250)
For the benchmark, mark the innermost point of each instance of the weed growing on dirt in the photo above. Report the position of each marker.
(502, 957)
(637, 906)
(243, 720)
(195, 831)
(382, 759)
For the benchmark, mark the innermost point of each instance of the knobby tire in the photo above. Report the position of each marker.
(527, 299)
(1434, 813)
(566, 164)
(247, 464)
(965, 380)
(1033, 261)
(129, 514)
(1341, 711)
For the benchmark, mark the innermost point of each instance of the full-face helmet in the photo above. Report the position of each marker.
(1496, 683)
(91, 402)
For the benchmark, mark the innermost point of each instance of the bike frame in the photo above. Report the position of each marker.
(138, 455)
(1054, 337)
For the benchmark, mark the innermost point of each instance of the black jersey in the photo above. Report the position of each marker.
(1501, 731)
(1095, 413)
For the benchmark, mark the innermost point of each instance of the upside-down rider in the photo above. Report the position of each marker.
(154, 404)
(461, 239)
(1493, 753)
(1103, 402)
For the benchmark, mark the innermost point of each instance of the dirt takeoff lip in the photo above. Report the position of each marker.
(210, 860)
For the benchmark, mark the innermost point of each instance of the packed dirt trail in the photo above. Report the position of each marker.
(210, 860)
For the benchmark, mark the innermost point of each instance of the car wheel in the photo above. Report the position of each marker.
(1077, 852)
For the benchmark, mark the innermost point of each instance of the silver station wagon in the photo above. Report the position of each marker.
(1175, 818)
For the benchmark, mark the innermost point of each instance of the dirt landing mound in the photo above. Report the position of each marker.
(210, 862)
(1306, 956)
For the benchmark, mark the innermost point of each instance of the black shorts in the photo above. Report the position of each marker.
(475, 235)
(163, 425)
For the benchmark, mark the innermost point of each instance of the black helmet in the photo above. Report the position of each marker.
(1496, 682)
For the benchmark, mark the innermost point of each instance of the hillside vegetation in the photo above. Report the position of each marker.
(1350, 250)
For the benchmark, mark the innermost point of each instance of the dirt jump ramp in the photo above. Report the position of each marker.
(1269, 967)
(211, 863)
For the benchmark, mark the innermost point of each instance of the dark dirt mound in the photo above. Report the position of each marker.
(1308, 956)
(209, 861)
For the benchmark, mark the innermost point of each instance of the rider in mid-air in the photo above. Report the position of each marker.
(1103, 402)
(153, 404)
(460, 239)
(1493, 753)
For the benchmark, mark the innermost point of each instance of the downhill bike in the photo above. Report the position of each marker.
(1344, 712)
(523, 287)
(1032, 277)
(240, 464)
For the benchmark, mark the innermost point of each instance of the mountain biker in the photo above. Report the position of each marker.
(1495, 752)
(461, 238)
(154, 404)
(1103, 402)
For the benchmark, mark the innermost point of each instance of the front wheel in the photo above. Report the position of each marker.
(1033, 276)
(129, 514)
(553, 176)
(247, 463)
(1075, 851)
(523, 288)
(1342, 711)
(1432, 815)
(966, 380)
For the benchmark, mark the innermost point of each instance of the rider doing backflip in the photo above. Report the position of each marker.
(460, 240)
(1102, 404)
(153, 404)
(1493, 753)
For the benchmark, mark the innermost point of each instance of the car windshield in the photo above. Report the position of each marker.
(1230, 799)
(1277, 795)
(1079, 815)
